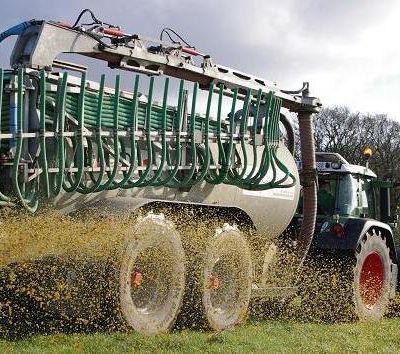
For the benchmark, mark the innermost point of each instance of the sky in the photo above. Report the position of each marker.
(348, 50)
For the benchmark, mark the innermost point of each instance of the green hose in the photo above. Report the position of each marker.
(4, 200)
(92, 140)
(29, 199)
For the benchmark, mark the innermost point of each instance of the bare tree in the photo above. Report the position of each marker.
(337, 129)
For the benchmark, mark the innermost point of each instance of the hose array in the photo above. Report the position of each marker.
(72, 137)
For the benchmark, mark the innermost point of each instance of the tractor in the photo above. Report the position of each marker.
(354, 249)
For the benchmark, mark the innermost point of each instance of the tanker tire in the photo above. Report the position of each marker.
(227, 279)
(152, 276)
(219, 279)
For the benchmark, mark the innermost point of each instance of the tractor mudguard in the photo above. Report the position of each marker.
(354, 230)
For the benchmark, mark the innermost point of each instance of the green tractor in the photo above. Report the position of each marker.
(353, 255)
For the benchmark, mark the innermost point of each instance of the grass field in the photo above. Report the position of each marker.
(258, 337)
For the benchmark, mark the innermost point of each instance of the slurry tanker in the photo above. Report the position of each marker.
(196, 159)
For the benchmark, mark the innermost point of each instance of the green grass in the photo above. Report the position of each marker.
(261, 337)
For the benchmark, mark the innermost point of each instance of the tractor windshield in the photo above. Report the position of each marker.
(355, 196)
(337, 194)
(344, 194)
(347, 195)
(327, 194)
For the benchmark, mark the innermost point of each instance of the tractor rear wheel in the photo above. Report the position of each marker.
(372, 277)
(352, 286)
(152, 276)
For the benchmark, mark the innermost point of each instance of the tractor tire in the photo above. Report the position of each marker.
(343, 287)
(372, 277)
(152, 276)
(220, 282)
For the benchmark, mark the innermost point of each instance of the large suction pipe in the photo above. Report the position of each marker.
(308, 181)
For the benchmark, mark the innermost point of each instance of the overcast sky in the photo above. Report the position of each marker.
(348, 50)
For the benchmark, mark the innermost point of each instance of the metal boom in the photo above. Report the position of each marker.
(39, 45)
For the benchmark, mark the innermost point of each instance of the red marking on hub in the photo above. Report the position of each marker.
(214, 282)
(136, 279)
(371, 279)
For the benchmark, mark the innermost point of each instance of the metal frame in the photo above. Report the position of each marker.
(39, 46)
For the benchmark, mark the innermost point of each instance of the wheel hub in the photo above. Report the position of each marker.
(223, 283)
(136, 279)
(150, 279)
(371, 279)
(214, 282)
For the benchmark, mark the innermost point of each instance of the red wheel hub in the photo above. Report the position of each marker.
(136, 279)
(214, 282)
(371, 279)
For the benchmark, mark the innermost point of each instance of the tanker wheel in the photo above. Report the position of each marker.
(219, 278)
(372, 277)
(152, 276)
(227, 278)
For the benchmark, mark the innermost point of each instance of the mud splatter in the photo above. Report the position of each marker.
(62, 273)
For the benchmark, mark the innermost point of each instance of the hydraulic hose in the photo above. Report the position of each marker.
(27, 197)
(18, 29)
(4, 200)
(289, 131)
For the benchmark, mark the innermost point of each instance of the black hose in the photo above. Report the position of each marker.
(289, 131)
(167, 30)
(94, 19)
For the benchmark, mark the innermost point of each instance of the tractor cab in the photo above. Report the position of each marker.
(344, 189)
(348, 198)
(347, 190)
